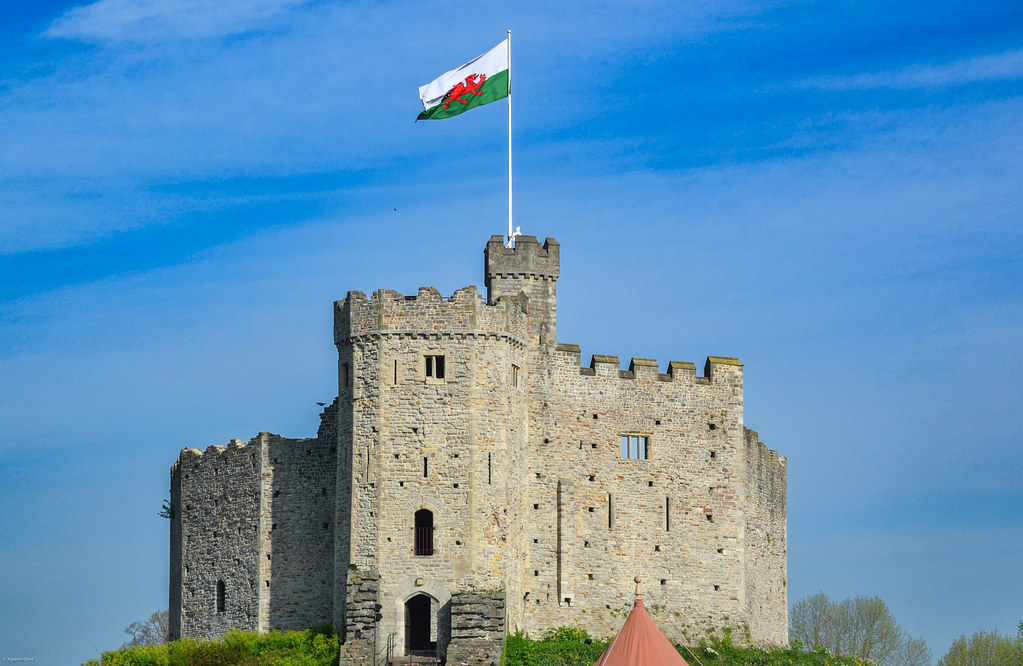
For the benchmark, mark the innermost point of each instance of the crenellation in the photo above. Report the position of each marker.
(472, 478)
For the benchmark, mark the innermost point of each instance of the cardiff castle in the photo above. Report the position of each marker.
(473, 479)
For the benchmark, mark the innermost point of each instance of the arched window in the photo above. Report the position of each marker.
(424, 532)
(221, 596)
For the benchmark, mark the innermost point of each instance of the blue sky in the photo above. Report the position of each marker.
(829, 191)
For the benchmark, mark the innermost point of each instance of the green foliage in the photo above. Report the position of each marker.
(721, 652)
(568, 646)
(984, 648)
(316, 647)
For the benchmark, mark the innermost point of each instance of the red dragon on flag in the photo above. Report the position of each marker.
(471, 85)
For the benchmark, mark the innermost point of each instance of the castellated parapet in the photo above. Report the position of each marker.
(474, 478)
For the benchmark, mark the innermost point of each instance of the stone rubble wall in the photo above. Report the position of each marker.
(477, 629)
(362, 636)
(299, 486)
(260, 517)
(766, 542)
(220, 539)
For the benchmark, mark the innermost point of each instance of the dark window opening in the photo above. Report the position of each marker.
(426, 467)
(344, 375)
(221, 596)
(435, 367)
(424, 532)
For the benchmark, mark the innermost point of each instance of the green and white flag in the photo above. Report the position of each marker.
(477, 82)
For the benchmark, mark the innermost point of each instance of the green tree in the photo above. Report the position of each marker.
(984, 648)
(860, 627)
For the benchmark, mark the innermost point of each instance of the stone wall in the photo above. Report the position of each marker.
(299, 484)
(766, 542)
(220, 540)
(258, 517)
(598, 520)
(477, 629)
(361, 636)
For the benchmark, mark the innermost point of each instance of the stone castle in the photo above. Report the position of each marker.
(472, 479)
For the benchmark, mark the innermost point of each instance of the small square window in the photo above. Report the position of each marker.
(635, 447)
(435, 366)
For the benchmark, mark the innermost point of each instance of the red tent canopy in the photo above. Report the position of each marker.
(640, 642)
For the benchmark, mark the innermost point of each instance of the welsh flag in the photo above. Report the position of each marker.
(477, 82)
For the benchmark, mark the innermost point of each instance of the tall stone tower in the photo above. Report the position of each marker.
(432, 430)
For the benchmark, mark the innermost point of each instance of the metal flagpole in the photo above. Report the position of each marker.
(511, 236)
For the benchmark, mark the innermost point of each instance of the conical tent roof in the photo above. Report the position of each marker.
(640, 642)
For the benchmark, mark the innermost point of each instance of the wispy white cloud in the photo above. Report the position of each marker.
(1004, 66)
(159, 20)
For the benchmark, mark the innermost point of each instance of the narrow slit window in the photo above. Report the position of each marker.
(515, 375)
(344, 375)
(426, 467)
(667, 514)
(395, 373)
(221, 596)
(490, 469)
(435, 366)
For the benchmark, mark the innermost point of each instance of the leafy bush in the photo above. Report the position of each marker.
(568, 646)
(316, 647)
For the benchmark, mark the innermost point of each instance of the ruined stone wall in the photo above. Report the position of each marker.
(766, 542)
(477, 629)
(220, 540)
(299, 482)
(260, 518)
(176, 555)
(598, 520)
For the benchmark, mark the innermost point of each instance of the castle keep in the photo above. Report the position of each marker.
(472, 478)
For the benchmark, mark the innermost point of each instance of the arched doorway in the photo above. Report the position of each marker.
(418, 617)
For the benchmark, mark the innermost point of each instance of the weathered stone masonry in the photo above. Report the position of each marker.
(470, 480)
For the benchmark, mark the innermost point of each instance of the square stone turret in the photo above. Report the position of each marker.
(527, 270)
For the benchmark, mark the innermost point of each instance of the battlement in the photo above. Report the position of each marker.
(428, 313)
(717, 369)
(527, 259)
(212, 452)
